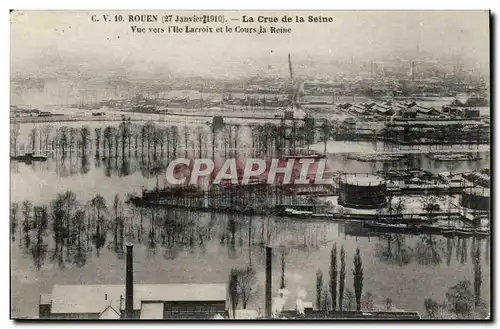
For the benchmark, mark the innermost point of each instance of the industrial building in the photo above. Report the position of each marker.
(129, 301)
(476, 198)
(151, 301)
(362, 191)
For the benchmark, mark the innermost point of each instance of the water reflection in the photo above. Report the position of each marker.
(80, 231)
(429, 250)
(395, 252)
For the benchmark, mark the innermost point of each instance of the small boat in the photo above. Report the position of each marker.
(457, 232)
(391, 228)
(455, 157)
(305, 156)
(378, 224)
(481, 232)
(297, 213)
(375, 157)
(28, 157)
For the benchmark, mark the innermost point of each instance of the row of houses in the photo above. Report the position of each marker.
(406, 110)
(386, 108)
(19, 112)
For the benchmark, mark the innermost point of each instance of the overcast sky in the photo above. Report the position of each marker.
(47, 42)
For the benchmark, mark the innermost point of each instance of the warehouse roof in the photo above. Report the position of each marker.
(362, 180)
(481, 191)
(95, 298)
(152, 311)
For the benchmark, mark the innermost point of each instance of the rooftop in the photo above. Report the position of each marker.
(482, 191)
(95, 298)
(362, 180)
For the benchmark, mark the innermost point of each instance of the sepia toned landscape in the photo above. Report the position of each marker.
(391, 108)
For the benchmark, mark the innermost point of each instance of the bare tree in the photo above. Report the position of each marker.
(325, 133)
(200, 138)
(85, 139)
(175, 140)
(349, 301)
(14, 208)
(186, 140)
(367, 302)
(27, 209)
(388, 304)
(14, 136)
(246, 282)
(33, 134)
(72, 139)
(430, 205)
(46, 131)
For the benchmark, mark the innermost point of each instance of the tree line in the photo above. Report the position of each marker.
(333, 295)
(158, 139)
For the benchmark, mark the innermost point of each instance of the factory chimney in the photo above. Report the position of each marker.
(269, 254)
(129, 284)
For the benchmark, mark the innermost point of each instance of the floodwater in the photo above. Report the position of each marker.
(407, 269)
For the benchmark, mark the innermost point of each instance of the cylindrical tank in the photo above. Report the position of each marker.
(362, 191)
(477, 198)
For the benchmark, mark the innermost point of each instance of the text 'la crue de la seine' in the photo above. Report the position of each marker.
(210, 23)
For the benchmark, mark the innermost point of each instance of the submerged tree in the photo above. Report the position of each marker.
(40, 224)
(57, 214)
(325, 133)
(309, 130)
(46, 132)
(14, 136)
(14, 208)
(118, 223)
(428, 250)
(98, 205)
(85, 139)
(80, 254)
(27, 224)
(396, 252)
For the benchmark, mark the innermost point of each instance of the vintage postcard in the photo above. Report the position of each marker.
(226, 165)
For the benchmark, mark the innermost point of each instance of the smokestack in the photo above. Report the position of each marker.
(269, 254)
(129, 284)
